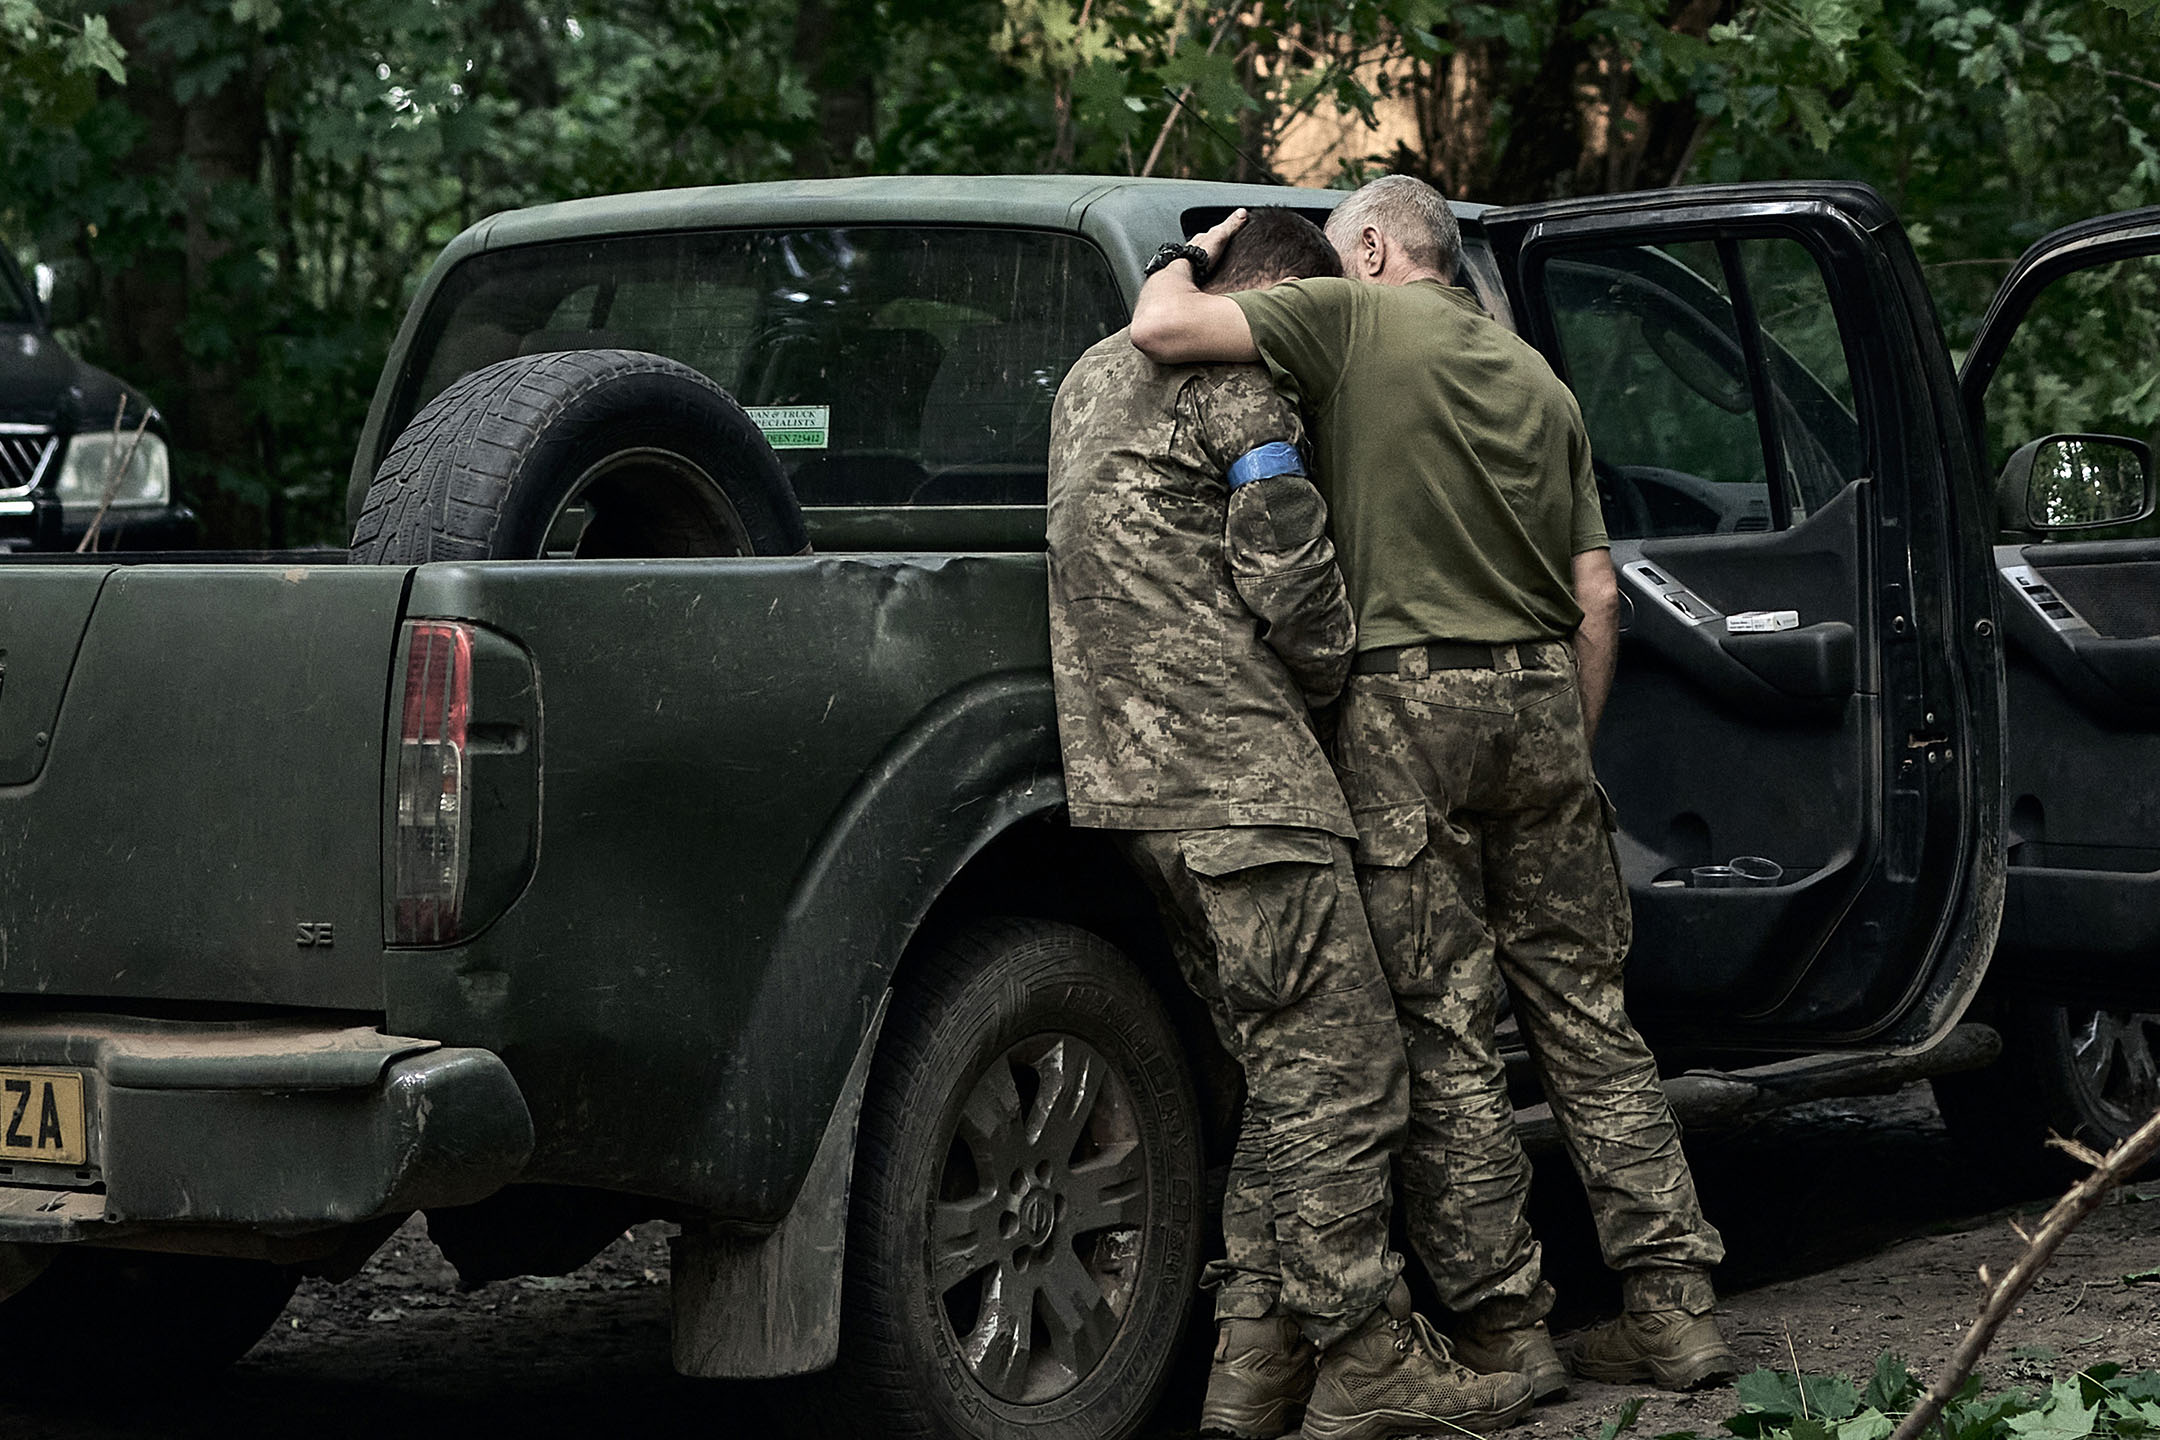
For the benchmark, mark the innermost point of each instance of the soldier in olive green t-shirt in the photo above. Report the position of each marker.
(1488, 492)
(1466, 520)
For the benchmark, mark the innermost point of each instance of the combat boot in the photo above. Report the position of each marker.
(1393, 1375)
(1527, 1350)
(1262, 1374)
(1677, 1350)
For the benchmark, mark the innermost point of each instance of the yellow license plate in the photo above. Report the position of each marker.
(41, 1117)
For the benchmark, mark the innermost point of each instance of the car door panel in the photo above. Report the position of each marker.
(2082, 629)
(1684, 589)
(1856, 750)
(1683, 751)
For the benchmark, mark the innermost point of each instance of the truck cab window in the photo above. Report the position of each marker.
(887, 366)
(1671, 351)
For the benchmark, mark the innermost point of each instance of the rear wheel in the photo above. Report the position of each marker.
(1024, 1239)
(113, 1314)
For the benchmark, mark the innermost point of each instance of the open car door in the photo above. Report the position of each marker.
(2064, 371)
(1804, 740)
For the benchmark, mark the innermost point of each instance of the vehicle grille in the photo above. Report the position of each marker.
(24, 458)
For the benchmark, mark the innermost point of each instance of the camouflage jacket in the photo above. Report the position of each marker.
(1191, 622)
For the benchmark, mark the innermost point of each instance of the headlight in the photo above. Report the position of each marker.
(137, 471)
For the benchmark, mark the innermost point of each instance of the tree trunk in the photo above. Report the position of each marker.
(1576, 124)
(143, 304)
(830, 49)
(222, 144)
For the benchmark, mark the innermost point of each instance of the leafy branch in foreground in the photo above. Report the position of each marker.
(2098, 1403)
(2108, 1171)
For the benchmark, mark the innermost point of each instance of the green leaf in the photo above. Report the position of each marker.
(1812, 110)
(1099, 93)
(1892, 1388)
(1625, 1420)
(2063, 1416)
(1770, 1391)
(1976, 1418)
(1830, 1397)
(1869, 1424)
(95, 49)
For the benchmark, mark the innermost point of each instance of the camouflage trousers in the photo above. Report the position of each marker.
(1269, 932)
(1487, 864)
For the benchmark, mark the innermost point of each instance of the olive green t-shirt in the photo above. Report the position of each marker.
(1453, 460)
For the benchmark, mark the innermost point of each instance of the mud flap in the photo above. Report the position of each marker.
(758, 1306)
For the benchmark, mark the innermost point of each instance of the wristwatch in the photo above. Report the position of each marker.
(1180, 251)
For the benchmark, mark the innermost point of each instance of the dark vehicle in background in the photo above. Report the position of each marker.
(78, 448)
(664, 817)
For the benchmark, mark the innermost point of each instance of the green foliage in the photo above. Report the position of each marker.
(257, 186)
(2099, 1403)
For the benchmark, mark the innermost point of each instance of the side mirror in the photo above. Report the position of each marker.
(2075, 482)
(64, 288)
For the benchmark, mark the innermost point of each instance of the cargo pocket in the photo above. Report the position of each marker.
(1253, 907)
(1394, 886)
(1326, 1206)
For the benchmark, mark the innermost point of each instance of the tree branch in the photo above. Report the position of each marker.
(1177, 101)
(2081, 1200)
(2133, 79)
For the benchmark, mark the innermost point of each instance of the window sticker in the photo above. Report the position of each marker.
(792, 427)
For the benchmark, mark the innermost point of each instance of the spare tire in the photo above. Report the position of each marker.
(600, 454)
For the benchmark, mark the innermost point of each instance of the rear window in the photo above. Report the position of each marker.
(886, 366)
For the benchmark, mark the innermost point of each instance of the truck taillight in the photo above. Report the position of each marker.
(433, 788)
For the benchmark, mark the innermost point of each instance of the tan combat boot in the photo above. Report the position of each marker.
(1526, 1350)
(1393, 1375)
(1677, 1350)
(1262, 1374)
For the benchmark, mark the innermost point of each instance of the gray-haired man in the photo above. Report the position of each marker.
(1466, 521)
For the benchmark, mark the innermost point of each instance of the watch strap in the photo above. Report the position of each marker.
(1181, 251)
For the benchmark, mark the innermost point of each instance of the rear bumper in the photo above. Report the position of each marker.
(280, 1126)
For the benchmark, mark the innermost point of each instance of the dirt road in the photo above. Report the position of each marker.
(1852, 1227)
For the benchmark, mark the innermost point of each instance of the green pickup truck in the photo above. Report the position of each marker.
(661, 816)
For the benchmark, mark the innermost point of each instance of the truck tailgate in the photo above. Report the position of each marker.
(211, 782)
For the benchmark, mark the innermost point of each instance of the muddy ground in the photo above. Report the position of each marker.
(1852, 1227)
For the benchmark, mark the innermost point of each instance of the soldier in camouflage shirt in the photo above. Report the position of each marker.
(1196, 617)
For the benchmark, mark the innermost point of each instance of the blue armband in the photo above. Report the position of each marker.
(1277, 457)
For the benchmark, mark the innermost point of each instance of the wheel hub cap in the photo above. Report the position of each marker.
(1037, 1213)
(2117, 1063)
(1035, 1232)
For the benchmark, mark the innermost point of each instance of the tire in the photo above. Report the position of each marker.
(602, 454)
(2085, 1073)
(96, 1315)
(1094, 1253)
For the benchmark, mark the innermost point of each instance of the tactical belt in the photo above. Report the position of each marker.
(1448, 655)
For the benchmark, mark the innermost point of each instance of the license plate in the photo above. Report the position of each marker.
(41, 1117)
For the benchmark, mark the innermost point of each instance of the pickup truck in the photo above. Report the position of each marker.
(662, 817)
